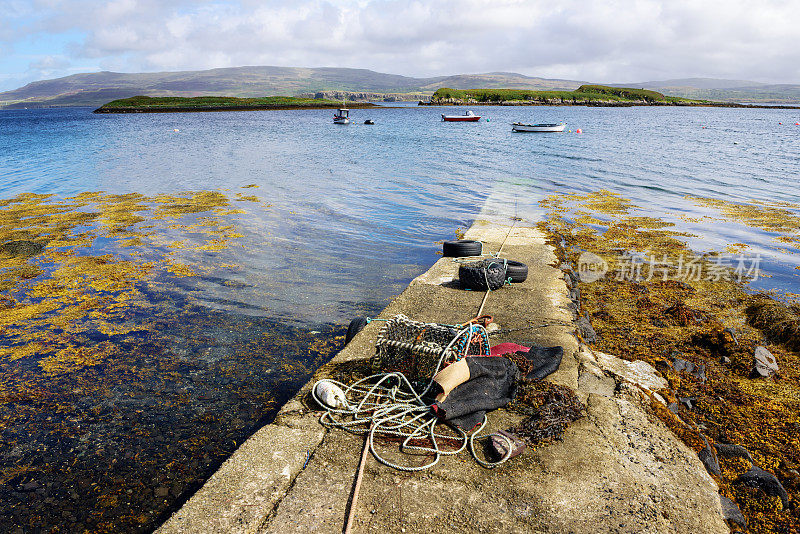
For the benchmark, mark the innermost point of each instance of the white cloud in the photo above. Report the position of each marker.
(633, 40)
(49, 63)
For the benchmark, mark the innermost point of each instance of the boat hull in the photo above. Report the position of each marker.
(518, 127)
(460, 118)
(341, 121)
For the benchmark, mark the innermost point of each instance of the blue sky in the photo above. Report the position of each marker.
(612, 41)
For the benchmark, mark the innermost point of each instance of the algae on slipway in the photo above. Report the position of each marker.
(652, 311)
(116, 381)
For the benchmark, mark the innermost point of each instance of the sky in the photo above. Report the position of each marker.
(609, 41)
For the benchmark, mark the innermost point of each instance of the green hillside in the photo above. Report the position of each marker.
(140, 104)
(583, 94)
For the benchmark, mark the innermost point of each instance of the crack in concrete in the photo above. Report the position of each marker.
(262, 525)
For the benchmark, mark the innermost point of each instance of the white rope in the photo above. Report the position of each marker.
(386, 404)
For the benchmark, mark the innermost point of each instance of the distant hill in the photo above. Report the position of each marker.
(95, 89)
(724, 90)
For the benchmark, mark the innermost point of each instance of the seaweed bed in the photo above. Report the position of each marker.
(690, 316)
(119, 392)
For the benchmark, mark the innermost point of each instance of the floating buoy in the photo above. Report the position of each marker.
(780, 123)
(176, 130)
(578, 131)
(797, 124)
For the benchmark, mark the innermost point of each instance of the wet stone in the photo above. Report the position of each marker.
(698, 371)
(730, 450)
(766, 481)
(731, 332)
(585, 330)
(709, 458)
(30, 486)
(764, 364)
(731, 512)
(575, 295)
(22, 248)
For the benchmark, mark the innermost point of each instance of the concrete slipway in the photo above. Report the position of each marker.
(617, 469)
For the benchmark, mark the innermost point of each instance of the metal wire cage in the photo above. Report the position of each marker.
(415, 349)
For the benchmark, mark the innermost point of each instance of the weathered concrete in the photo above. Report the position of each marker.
(616, 470)
(253, 479)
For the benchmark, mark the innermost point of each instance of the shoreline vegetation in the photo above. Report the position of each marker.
(147, 104)
(585, 95)
(703, 332)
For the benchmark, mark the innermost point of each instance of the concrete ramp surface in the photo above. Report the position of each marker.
(618, 469)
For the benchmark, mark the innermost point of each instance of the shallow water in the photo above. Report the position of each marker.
(120, 399)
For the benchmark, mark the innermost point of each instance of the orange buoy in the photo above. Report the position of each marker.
(578, 131)
(797, 124)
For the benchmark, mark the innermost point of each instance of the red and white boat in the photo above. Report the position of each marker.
(469, 116)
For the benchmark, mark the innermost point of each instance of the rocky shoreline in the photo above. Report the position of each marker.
(362, 96)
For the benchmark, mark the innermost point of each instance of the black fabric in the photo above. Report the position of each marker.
(492, 384)
(545, 360)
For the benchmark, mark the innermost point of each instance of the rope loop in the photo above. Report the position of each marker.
(387, 405)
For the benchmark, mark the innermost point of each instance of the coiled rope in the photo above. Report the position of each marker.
(388, 405)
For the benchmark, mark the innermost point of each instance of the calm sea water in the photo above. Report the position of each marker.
(348, 215)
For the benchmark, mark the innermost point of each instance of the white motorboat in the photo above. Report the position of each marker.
(520, 127)
(342, 116)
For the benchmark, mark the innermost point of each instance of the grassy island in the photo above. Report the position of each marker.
(592, 95)
(150, 104)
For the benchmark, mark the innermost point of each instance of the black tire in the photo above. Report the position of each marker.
(475, 275)
(516, 271)
(462, 248)
(356, 326)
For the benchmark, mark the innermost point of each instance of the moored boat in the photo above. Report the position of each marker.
(469, 116)
(520, 127)
(342, 116)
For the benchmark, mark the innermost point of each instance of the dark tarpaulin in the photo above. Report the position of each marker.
(492, 384)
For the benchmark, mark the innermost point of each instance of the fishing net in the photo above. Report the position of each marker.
(419, 350)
